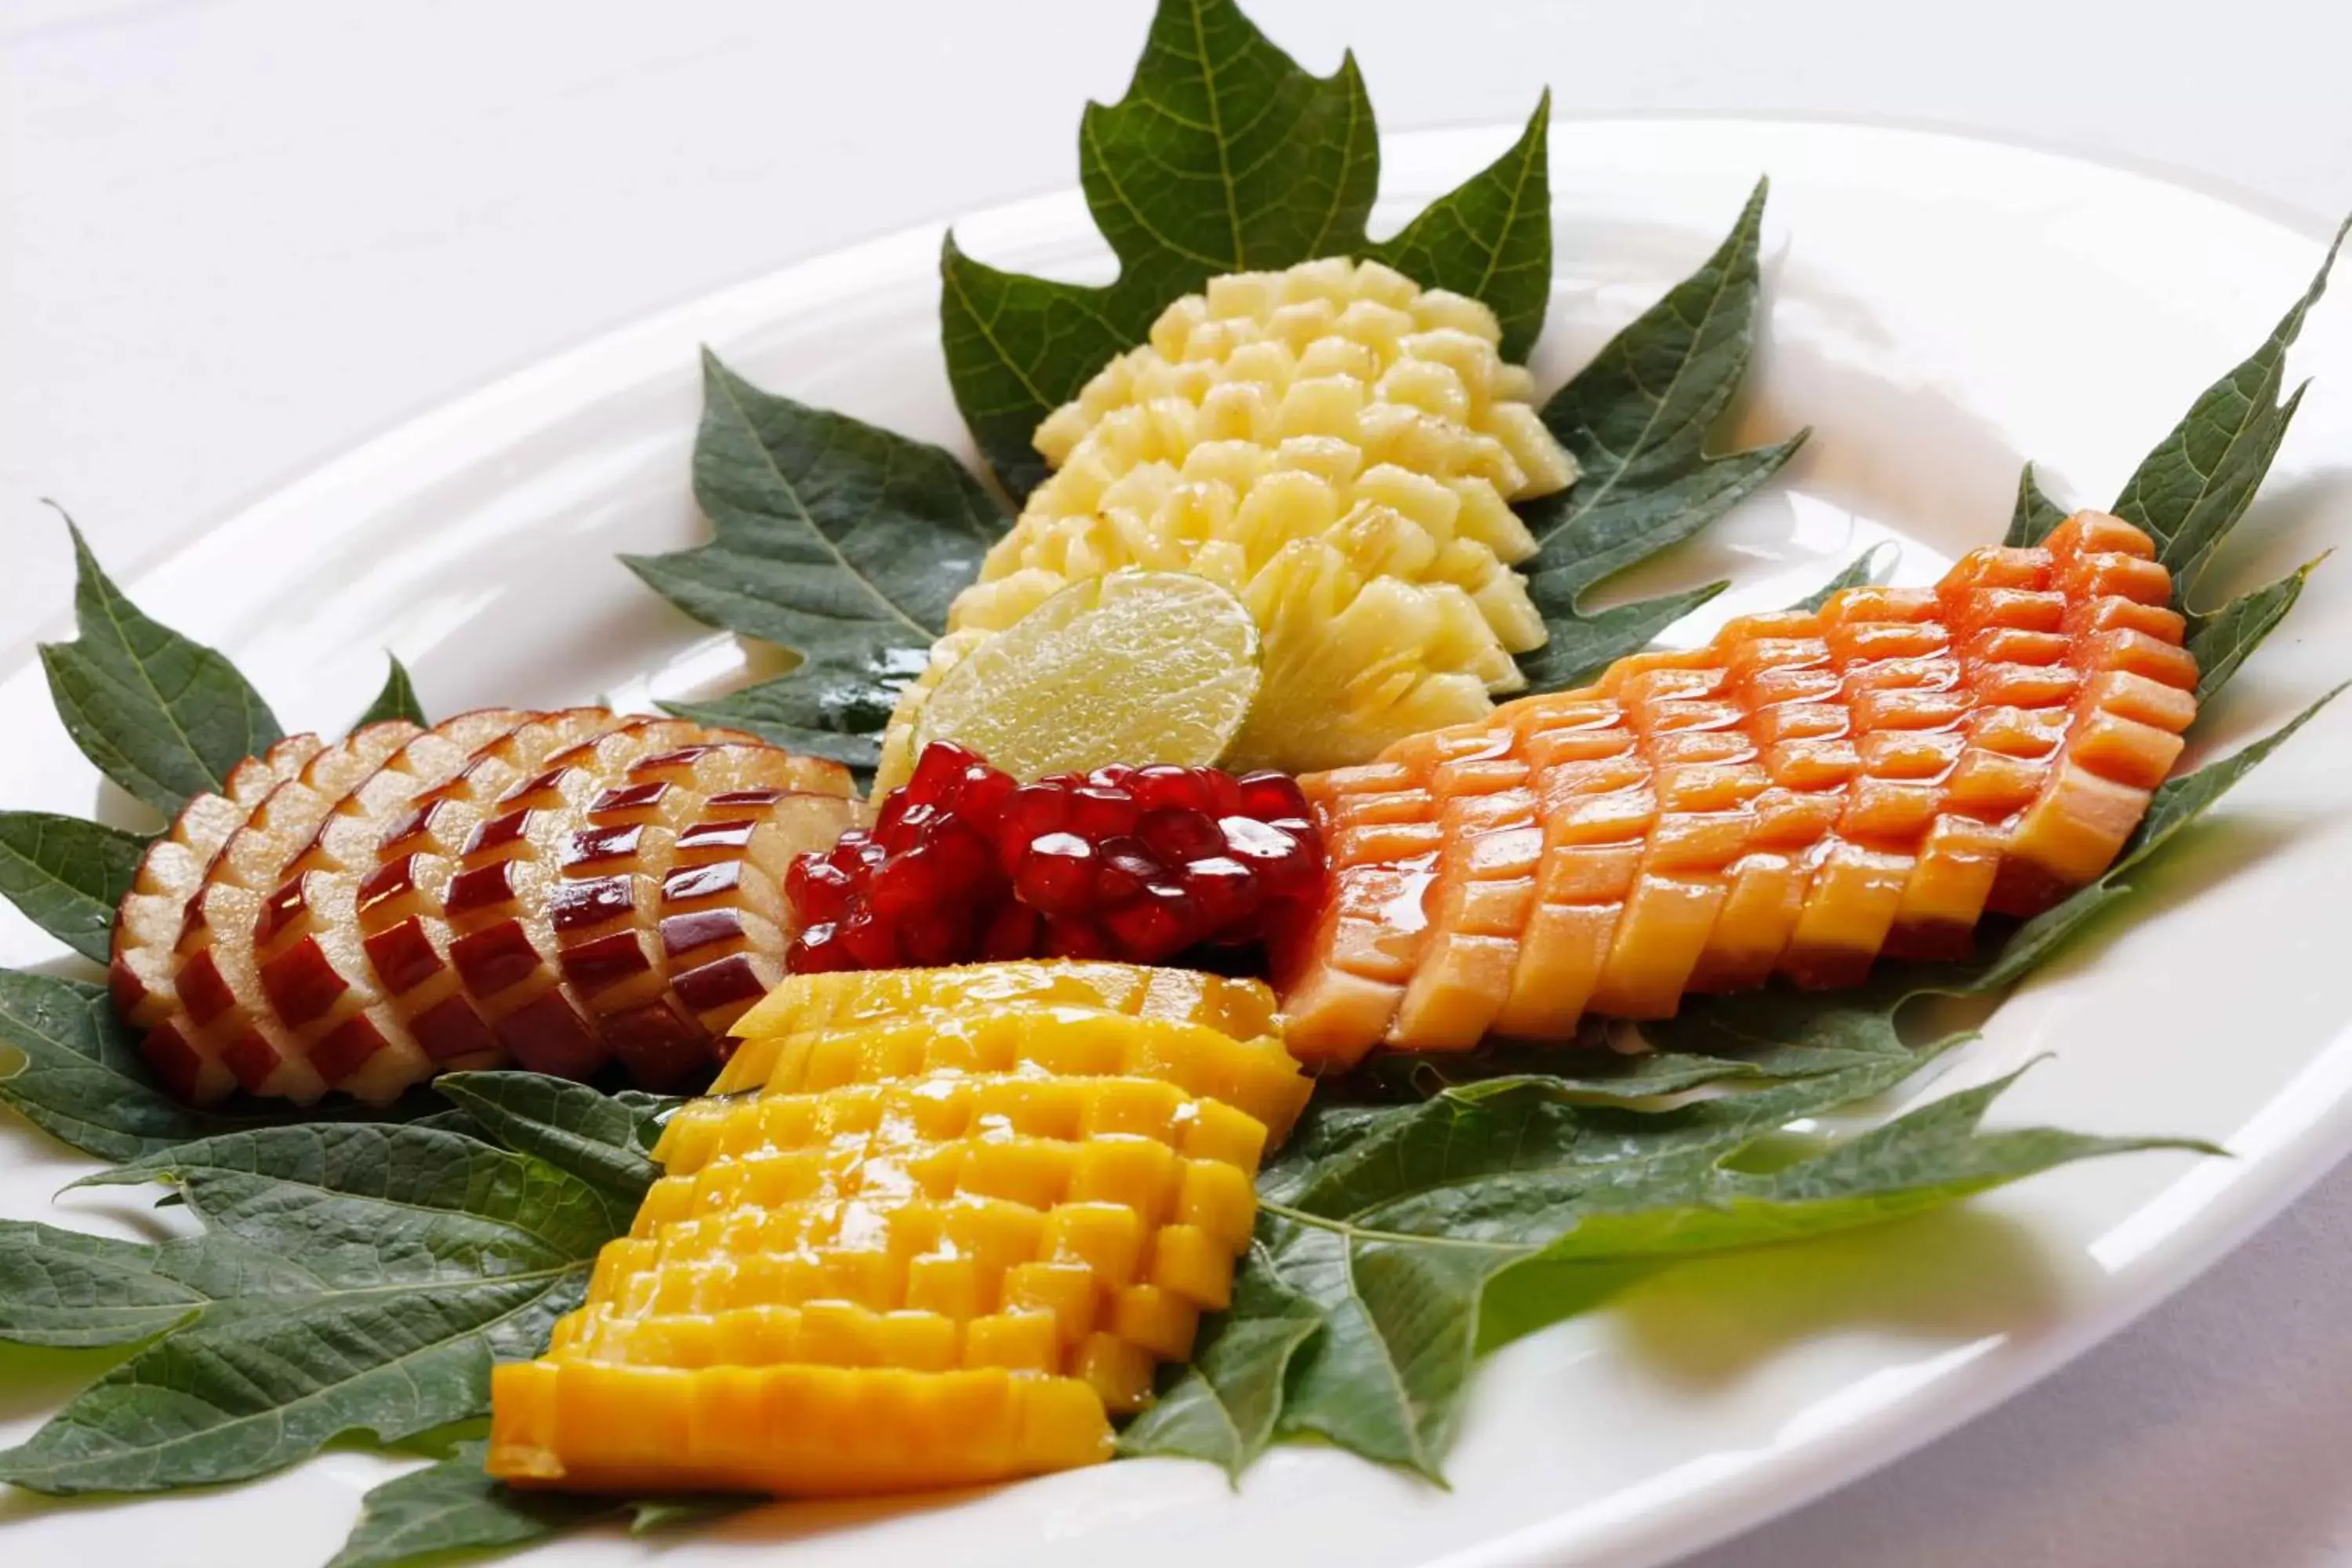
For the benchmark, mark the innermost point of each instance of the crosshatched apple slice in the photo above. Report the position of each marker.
(605, 906)
(141, 973)
(403, 929)
(222, 1004)
(725, 921)
(498, 904)
(314, 969)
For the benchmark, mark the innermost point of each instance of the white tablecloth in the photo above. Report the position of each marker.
(237, 236)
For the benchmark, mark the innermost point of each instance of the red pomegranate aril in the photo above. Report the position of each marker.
(1100, 812)
(1226, 892)
(980, 796)
(1174, 834)
(934, 937)
(1013, 932)
(868, 941)
(1057, 875)
(1030, 812)
(937, 771)
(1166, 784)
(1153, 924)
(819, 889)
(1139, 864)
(1270, 797)
(1076, 937)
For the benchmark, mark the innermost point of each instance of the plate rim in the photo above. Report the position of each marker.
(1832, 1459)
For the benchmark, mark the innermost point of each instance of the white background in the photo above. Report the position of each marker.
(238, 236)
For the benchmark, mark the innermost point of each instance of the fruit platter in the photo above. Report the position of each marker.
(1158, 936)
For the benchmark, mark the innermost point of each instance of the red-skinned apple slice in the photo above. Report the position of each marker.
(314, 969)
(606, 908)
(725, 922)
(224, 1013)
(147, 927)
(403, 933)
(500, 903)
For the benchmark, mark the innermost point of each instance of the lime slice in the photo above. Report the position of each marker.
(1136, 666)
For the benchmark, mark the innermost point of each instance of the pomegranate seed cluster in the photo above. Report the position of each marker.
(965, 865)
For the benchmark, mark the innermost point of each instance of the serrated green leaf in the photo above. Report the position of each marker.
(2035, 516)
(1865, 568)
(68, 876)
(454, 1505)
(1222, 1405)
(2221, 640)
(1224, 156)
(1490, 238)
(834, 539)
(162, 716)
(1390, 1223)
(2191, 491)
(81, 1079)
(402, 1261)
(596, 1137)
(1638, 420)
(396, 700)
(66, 1289)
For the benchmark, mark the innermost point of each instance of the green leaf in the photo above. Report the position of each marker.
(2221, 640)
(1865, 568)
(2036, 516)
(2191, 491)
(396, 700)
(68, 875)
(66, 1289)
(1490, 238)
(1224, 156)
(363, 1278)
(1222, 1405)
(599, 1138)
(837, 539)
(81, 1080)
(1638, 420)
(163, 716)
(1390, 1223)
(455, 1507)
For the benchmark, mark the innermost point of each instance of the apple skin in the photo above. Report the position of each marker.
(596, 845)
(623, 804)
(686, 934)
(479, 887)
(734, 982)
(582, 904)
(662, 1051)
(547, 1035)
(403, 956)
(450, 1030)
(346, 1048)
(176, 1061)
(689, 883)
(252, 1059)
(302, 983)
(203, 994)
(608, 962)
(490, 960)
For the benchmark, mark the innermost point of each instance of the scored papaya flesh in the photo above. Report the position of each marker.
(1808, 791)
(934, 1243)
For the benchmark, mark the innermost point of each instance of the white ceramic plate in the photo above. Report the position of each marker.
(1939, 311)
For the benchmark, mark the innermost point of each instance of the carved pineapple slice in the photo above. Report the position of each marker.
(1331, 425)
